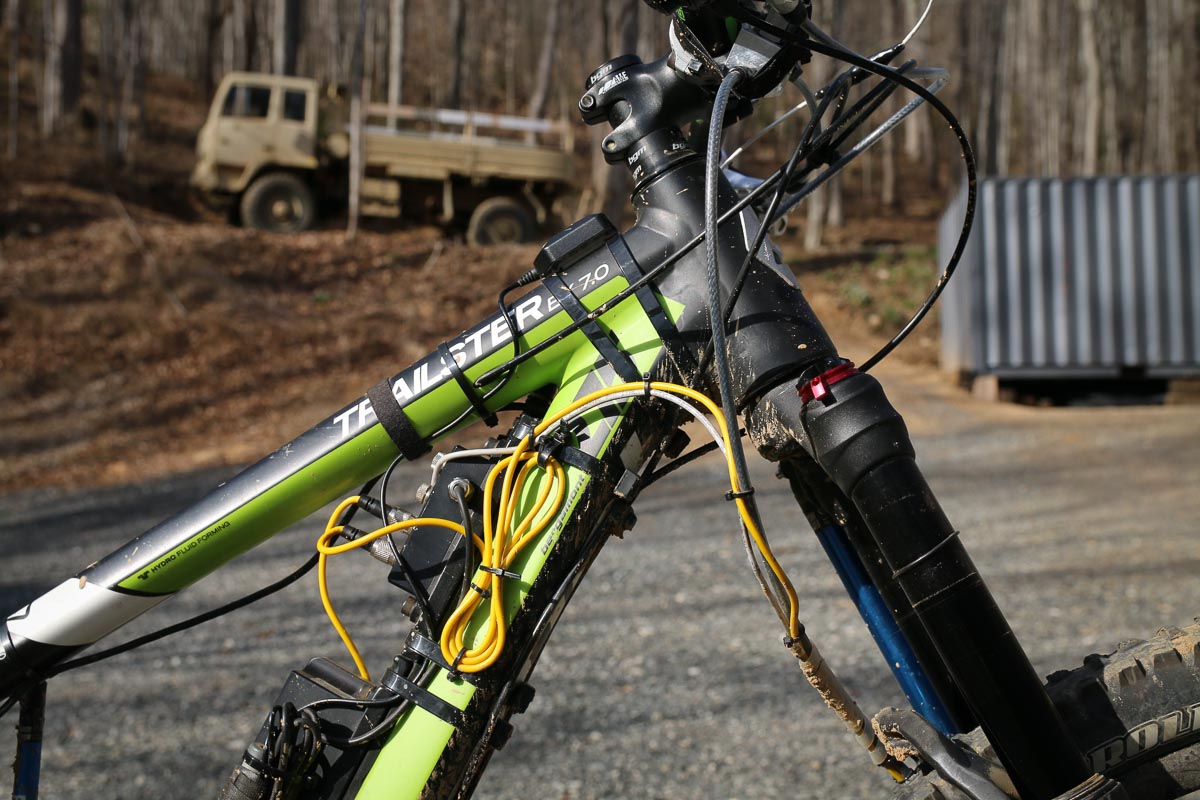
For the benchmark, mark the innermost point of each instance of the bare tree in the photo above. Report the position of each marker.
(889, 145)
(214, 23)
(131, 76)
(837, 209)
(458, 50)
(357, 113)
(1089, 46)
(512, 40)
(395, 81)
(252, 34)
(541, 90)
(917, 129)
(70, 13)
(333, 41)
(13, 22)
(52, 54)
(286, 36)
(241, 33)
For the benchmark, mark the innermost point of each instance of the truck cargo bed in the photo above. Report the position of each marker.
(404, 154)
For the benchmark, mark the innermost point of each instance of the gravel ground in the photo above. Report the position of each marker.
(666, 678)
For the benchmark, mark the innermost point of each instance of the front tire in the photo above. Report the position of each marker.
(1134, 713)
(279, 202)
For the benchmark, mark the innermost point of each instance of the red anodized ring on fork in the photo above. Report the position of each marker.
(818, 387)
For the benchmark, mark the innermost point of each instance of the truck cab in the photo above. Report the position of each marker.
(260, 125)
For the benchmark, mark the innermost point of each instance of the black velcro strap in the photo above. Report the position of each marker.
(666, 330)
(397, 424)
(608, 349)
(425, 700)
(467, 387)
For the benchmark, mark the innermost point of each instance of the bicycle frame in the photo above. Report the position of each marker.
(351, 446)
(941, 608)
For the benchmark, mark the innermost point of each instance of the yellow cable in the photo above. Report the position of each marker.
(793, 621)
(502, 540)
(332, 531)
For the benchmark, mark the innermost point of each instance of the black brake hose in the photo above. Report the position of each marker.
(383, 505)
(785, 176)
(207, 616)
(506, 311)
(468, 534)
(866, 105)
(418, 592)
(350, 702)
(253, 597)
(385, 724)
(863, 108)
(818, 45)
(683, 460)
(712, 171)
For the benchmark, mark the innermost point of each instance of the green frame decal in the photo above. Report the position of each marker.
(362, 455)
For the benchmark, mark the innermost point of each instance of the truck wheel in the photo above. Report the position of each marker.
(500, 220)
(279, 202)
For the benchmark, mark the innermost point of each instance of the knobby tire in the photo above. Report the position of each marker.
(1134, 713)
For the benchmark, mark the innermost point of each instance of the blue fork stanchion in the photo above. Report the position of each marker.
(874, 611)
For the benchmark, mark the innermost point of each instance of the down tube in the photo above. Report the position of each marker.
(319, 466)
(427, 757)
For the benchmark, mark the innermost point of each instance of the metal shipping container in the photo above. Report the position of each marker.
(1078, 277)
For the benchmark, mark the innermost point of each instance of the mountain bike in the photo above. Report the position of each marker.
(619, 340)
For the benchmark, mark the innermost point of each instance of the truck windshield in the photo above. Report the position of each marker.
(246, 101)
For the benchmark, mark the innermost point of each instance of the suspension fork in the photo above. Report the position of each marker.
(880, 601)
(861, 442)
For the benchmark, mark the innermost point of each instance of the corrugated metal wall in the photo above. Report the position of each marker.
(1081, 276)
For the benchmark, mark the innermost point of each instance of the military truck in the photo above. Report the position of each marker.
(275, 153)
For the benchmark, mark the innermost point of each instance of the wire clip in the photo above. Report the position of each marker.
(503, 573)
(553, 447)
(421, 647)
(454, 673)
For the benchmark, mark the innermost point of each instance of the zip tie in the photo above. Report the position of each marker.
(647, 389)
(454, 673)
(484, 593)
(731, 495)
(503, 573)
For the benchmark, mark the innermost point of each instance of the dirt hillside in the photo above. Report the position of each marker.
(142, 335)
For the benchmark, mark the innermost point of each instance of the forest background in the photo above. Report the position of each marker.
(126, 309)
(1046, 87)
